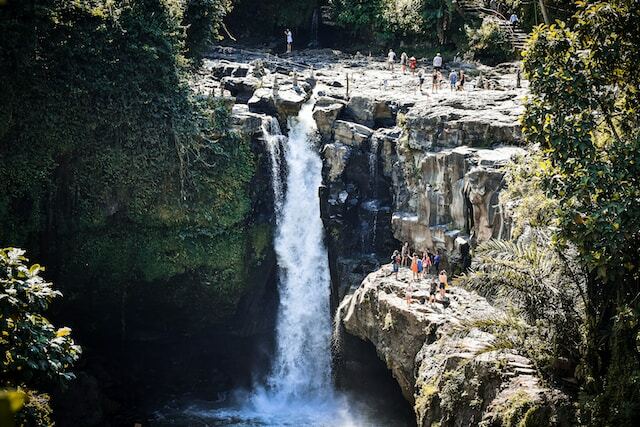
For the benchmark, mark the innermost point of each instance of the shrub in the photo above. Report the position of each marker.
(489, 43)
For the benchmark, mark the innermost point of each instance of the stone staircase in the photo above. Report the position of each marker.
(517, 37)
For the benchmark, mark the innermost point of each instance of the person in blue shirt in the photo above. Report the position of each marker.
(453, 79)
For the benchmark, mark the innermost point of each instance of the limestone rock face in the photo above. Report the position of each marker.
(480, 121)
(244, 121)
(336, 156)
(325, 116)
(241, 87)
(351, 134)
(283, 103)
(443, 363)
(370, 112)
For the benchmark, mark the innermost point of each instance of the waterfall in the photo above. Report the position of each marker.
(315, 23)
(298, 390)
(274, 141)
(302, 365)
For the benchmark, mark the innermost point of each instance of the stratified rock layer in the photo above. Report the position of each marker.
(446, 366)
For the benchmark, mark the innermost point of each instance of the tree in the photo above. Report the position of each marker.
(203, 19)
(584, 111)
(34, 353)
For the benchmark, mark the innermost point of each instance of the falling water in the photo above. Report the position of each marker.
(302, 366)
(315, 23)
(274, 141)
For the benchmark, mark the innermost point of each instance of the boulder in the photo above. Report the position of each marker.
(370, 112)
(244, 121)
(241, 87)
(351, 134)
(325, 116)
(263, 101)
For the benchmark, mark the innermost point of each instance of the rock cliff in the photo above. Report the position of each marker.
(447, 366)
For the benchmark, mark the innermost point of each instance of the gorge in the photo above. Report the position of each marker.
(217, 221)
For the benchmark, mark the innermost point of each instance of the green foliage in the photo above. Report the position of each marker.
(203, 19)
(524, 198)
(108, 160)
(584, 112)
(36, 411)
(489, 44)
(269, 17)
(33, 351)
(522, 411)
(391, 20)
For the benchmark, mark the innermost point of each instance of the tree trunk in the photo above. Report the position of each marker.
(545, 14)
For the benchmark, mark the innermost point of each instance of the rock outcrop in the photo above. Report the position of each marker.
(447, 366)
(432, 163)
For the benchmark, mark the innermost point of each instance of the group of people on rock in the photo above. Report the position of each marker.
(456, 78)
(421, 267)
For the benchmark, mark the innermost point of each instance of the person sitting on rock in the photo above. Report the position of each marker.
(414, 266)
(395, 263)
(443, 284)
(405, 254)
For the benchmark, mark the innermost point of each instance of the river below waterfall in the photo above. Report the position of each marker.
(299, 389)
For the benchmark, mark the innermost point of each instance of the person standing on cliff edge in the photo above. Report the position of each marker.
(405, 254)
(289, 37)
(395, 263)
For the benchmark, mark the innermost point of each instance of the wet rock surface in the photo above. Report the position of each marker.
(446, 365)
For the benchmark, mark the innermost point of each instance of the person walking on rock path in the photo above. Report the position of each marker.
(435, 81)
(514, 20)
(426, 263)
(413, 64)
(437, 62)
(443, 284)
(414, 266)
(461, 81)
(420, 268)
(405, 254)
(453, 79)
(289, 38)
(391, 58)
(395, 263)
(436, 262)
(403, 62)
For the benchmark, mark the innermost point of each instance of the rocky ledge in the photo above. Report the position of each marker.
(452, 371)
